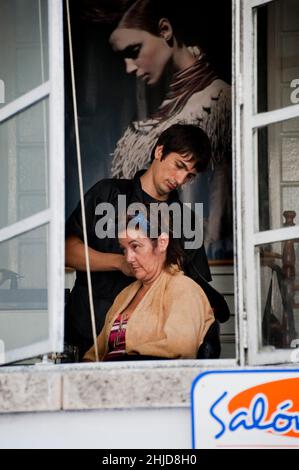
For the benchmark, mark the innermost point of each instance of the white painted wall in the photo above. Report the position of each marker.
(107, 429)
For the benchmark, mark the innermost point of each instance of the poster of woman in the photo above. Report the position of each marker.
(142, 66)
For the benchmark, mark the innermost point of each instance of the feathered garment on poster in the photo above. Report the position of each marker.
(196, 96)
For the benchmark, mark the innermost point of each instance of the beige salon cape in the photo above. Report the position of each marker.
(170, 321)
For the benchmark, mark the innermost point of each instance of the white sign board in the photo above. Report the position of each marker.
(245, 409)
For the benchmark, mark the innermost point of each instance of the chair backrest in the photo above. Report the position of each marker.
(211, 347)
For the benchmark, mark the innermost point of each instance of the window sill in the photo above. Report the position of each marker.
(101, 385)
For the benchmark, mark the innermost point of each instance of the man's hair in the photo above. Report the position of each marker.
(187, 140)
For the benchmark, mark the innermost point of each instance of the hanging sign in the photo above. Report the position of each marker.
(246, 409)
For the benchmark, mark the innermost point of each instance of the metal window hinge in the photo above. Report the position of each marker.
(239, 88)
(245, 331)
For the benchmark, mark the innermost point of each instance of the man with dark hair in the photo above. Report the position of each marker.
(187, 140)
(179, 154)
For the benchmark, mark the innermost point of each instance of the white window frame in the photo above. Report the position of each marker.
(247, 123)
(53, 217)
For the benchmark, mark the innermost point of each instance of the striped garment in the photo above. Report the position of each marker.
(117, 339)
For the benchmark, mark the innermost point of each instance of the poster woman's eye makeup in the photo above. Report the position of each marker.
(131, 52)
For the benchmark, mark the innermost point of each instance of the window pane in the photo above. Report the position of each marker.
(279, 320)
(23, 47)
(24, 164)
(278, 173)
(278, 54)
(23, 290)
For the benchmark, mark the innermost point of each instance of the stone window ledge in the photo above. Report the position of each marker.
(101, 386)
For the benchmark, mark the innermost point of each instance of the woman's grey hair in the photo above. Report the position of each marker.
(146, 223)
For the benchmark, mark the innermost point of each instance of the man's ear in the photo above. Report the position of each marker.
(163, 241)
(158, 152)
(165, 30)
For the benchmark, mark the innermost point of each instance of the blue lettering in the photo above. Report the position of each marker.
(234, 424)
(280, 421)
(216, 417)
(257, 411)
(290, 418)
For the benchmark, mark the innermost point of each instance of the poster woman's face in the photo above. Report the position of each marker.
(144, 53)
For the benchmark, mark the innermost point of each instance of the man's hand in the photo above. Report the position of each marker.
(99, 261)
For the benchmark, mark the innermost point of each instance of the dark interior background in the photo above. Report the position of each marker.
(106, 95)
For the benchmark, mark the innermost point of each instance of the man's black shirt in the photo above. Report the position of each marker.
(107, 284)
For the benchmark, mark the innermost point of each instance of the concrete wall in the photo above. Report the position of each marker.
(98, 429)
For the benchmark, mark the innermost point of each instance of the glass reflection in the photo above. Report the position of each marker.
(277, 55)
(279, 286)
(278, 173)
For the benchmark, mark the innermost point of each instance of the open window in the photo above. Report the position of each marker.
(32, 168)
(31, 179)
(267, 178)
(266, 172)
(119, 120)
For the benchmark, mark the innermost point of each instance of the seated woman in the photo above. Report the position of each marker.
(163, 314)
